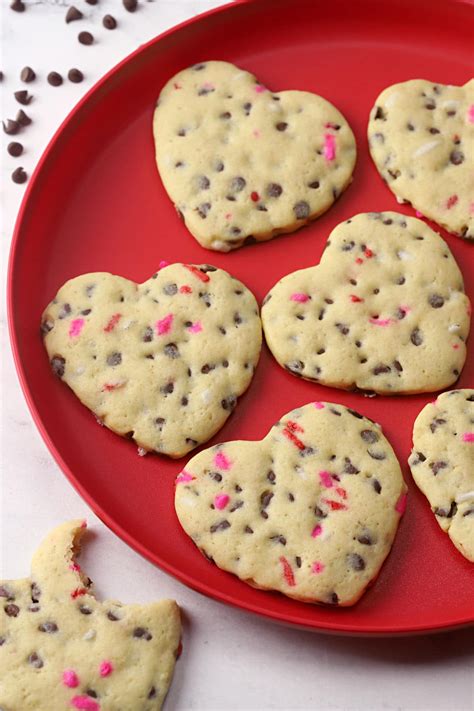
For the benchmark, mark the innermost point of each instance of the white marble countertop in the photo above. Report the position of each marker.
(230, 660)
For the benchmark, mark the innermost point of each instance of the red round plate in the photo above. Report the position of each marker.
(96, 202)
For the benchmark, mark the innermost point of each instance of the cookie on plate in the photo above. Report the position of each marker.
(442, 464)
(60, 648)
(242, 163)
(384, 310)
(421, 138)
(161, 362)
(311, 510)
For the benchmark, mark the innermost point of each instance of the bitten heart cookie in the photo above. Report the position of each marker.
(311, 510)
(421, 138)
(161, 362)
(442, 464)
(243, 164)
(60, 648)
(385, 310)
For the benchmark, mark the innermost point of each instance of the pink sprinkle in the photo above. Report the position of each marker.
(317, 567)
(185, 289)
(228, 215)
(468, 437)
(329, 149)
(85, 703)
(75, 567)
(356, 299)
(326, 479)
(164, 325)
(359, 260)
(317, 530)
(401, 504)
(342, 492)
(452, 200)
(470, 114)
(221, 501)
(418, 213)
(195, 327)
(381, 321)
(76, 327)
(318, 405)
(105, 668)
(184, 476)
(300, 298)
(256, 133)
(221, 461)
(70, 678)
(163, 264)
(259, 88)
(455, 346)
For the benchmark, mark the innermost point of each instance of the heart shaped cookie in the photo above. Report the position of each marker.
(161, 362)
(311, 510)
(442, 464)
(61, 648)
(243, 164)
(385, 310)
(421, 138)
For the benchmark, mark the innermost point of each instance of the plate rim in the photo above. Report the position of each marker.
(336, 627)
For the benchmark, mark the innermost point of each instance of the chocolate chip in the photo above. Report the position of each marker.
(64, 311)
(271, 476)
(219, 166)
(333, 599)
(416, 338)
(281, 126)
(278, 539)
(469, 512)
(430, 104)
(295, 366)
(203, 209)
(274, 190)
(73, 14)
(93, 694)
(205, 90)
(130, 5)
(171, 350)
(238, 184)
(22, 118)
(376, 455)
(437, 466)
(184, 401)
(85, 38)
(265, 499)
(49, 627)
(376, 485)
(147, 335)
(380, 114)
(365, 539)
(167, 389)
(18, 6)
(206, 368)
(5, 592)
(379, 369)
(319, 513)
(247, 106)
(221, 526)
(203, 182)
(247, 529)
(142, 633)
(85, 610)
(92, 2)
(152, 693)
(215, 476)
(342, 328)
(236, 506)
(27, 74)
(436, 301)
(35, 660)
(114, 359)
(314, 185)
(229, 403)
(349, 468)
(191, 442)
(436, 423)
(23, 97)
(11, 127)
(54, 78)
(334, 412)
(109, 22)
(58, 364)
(445, 513)
(355, 561)
(456, 157)
(15, 149)
(75, 75)
(225, 115)
(86, 312)
(301, 210)
(112, 617)
(12, 610)
(35, 592)
(369, 436)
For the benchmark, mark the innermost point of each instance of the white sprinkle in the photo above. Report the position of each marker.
(206, 396)
(404, 256)
(141, 451)
(188, 501)
(392, 99)
(426, 148)
(465, 497)
(301, 472)
(80, 370)
(220, 246)
(450, 104)
(126, 324)
(454, 327)
(273, 106)
(90, 634)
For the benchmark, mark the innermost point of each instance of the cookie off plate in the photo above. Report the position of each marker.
(425, 584)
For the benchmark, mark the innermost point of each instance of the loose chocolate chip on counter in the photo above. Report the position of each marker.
(85, 38)
(22, 118)
(18, 6)
(15, 149)
(142, 633)
(301, 210)
(75, 75)
(55, 79)
(49, 627)
(109, 22)
(23, 97)
(27, 74)
(11, 127)
(92, 2)
(19, 176)
(130, 5)
(73, 14)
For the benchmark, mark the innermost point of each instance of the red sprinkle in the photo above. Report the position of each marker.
(359, 260)
(197, 272)
(342, 492)
(112, 323)
(176, 86)
(294, 426)
(293, 438)
(368, 253)
(255, 196)
(335, 505)
(78, 592)
(452, 201)
(185, 289)
(108, 387)
(356, 299)
(287, 572)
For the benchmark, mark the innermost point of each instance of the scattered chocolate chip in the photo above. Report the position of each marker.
(11, 127)
(27, 74)
(314, 185)
(436, 301)
(109, 22)
(301, 210)
(215, 476)
(5, 592)
(92, 2)
(130, 5)
(468, 512)
(18, 6)
(49, 627)
(281, 126)
(271, 476)
(142, 633)
(22, 118)
(73, 14)
(12, 610)
(416, 338)
(147, 335)
(35, 592)
(206, 368)
(236, 506)
(85, 38)
(221, 526)
(114, 359)
(430, 104)
(369, 436)
(167, 389)
(19, 176)
(295, 366)
(437, 466)
(35, 660)
(225, 115)
(64, 311)
(75, 75)
(55, 79)
(274, 190)
(355, 561)
(15, 149)
(23, 97)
